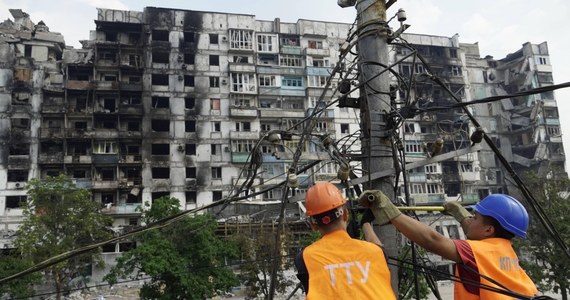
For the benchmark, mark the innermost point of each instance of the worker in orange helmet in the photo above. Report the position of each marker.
(485, 258)
(338, 266)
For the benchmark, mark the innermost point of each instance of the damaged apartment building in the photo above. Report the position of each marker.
(171, 102)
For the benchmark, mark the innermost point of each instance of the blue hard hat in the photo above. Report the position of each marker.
(507, 210)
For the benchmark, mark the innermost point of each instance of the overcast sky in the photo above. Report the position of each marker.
(500, 26)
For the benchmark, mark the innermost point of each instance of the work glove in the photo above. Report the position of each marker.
(382, 208)
(367, 217)
(455, 210)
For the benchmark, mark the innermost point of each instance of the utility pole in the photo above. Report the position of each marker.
(372, 32)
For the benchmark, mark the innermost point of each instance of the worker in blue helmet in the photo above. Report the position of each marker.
(485, 258)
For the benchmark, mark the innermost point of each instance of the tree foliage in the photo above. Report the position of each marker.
(543, 259)
(184, 260)
(257, 253)
(59, 217)
(10, 264)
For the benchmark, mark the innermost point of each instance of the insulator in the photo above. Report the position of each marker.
(477, 135)
(343, 172)
(293, 180)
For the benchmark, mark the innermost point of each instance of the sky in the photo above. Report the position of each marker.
(500, 27)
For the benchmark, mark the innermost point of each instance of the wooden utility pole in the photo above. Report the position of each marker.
(374, 108)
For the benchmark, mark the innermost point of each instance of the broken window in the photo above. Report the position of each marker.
(189, 36)
(215, 149)
(160, 173)
(157, 195)
(290, 41)
(19, 149)
(243, 145)
(111, 36)
(160, 102)
(17, 175)
(15, 201)
(344, 128)
(160, 125)
(453, 53)
(216, 195)
(213, 38)
(134, 126)
(267, 80)
(456, 71)
(105, 147)
(191, 197)
(266, 42)
(161, 57)
(321, 62)
(80, 125)
(290, 60)
(159, 79)
(160, 149)
(240, 59)
(216, 126)
(241, 39)
(189, 102)
(189, 59)
(190, 126)
(214, 60)
(191, 172)
(188, 80)
(160, 35)
(243, 82)
(312, 44)
(190, 149)
(22, 123)
(215, 104)
(107, 174)
(28, 50)
(216, 173)
(243, 126)
(317, 81)
(214, 82)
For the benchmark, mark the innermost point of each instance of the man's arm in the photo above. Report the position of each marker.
(370, 235)
(426, 237)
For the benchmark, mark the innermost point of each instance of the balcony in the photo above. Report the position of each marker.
(130, 182)
(77, 159)
(112, 158)
(271, 70)
(15, 161)
(470, 198)
(242, 68)
(431, 199)
(53, 108)
(130, 86)
(51, 133)
(124, 209)
(100, 133)
(243, 112)
(131, 109)
(78, 85)
(82, 183)
(51, 158)
(317, 52)
(130, 159)
(127, 134)
(278, 113)
(240, 157)
(244, 135)
(291, 50)
(79, 133)
(106, 85)
(295, 71)
(105, 184)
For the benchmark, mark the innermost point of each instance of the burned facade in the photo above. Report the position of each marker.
(168, 102)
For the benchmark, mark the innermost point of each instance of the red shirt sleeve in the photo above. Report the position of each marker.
(468, 270)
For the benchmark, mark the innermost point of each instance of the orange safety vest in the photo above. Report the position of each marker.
(497, 260)
(340, 267)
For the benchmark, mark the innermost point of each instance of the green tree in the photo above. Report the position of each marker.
(544, 260)
(59, 217)
(184, 260)
(11, 264)
(257, 261)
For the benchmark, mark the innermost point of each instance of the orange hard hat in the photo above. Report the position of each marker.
(322, 197)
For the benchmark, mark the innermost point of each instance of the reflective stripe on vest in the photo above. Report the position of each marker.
(340, 267)
(497, 260)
